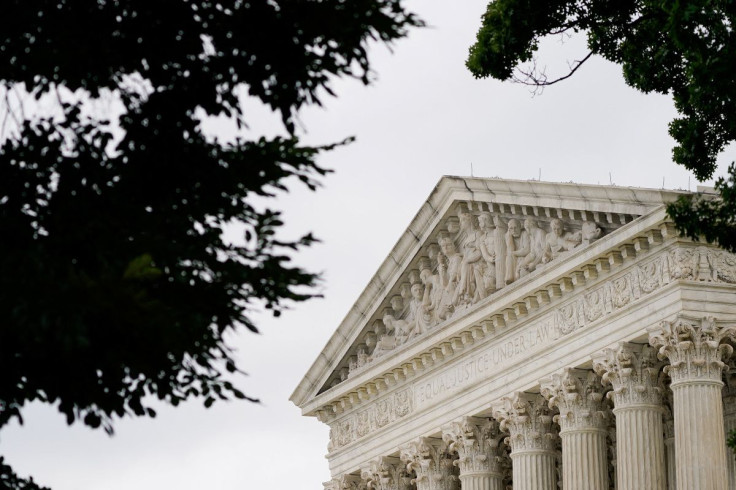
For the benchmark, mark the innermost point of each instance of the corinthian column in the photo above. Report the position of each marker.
(633, 370)
(729, 418)
(583, 419)
(695, 352)
(668, 422)
(345, 482)
(477, 442)
(533, 440)
(386, 473)
(432, 462)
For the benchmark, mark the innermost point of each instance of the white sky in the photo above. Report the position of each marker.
(423, 118)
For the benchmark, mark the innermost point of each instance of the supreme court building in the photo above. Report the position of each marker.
(534, 335)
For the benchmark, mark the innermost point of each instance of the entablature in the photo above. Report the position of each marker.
(530, 297)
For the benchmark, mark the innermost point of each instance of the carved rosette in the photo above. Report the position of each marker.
(478, 444)
(528, 420)
(579, 397)
(694, 348)
(345, 482)
(634, 372)
(432, 462)
(386, 473)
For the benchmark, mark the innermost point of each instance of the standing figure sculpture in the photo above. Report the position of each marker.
(419, 319)
(470, 283)
(500, 251)
(517, 246)
(449, 266)
(487, 246)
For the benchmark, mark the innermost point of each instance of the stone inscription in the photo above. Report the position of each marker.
(486, 363)
(684, 262)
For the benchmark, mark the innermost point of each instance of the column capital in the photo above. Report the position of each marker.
(529, 421)
(579, 396)
(430, 459)
(694, 348)
(386, 473)
(345, 482)
(634, 372)
(478, 442)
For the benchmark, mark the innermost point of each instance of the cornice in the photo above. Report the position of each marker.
(511, 306)
(610, 201)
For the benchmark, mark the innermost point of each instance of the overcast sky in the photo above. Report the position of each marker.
(424, 117)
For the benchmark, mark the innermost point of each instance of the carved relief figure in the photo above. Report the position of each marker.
(487, 246)
(449, 271)
(536, 247)
(419, 318)
(473, 259)
(517, 247)
(558, 242)
(470, 283)
(432, 294)
(590, 232)
(500, 249)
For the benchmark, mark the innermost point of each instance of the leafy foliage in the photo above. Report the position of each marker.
(8, 479)
(684, 48)
(116, 283)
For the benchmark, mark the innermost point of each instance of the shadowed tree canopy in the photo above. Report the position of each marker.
(683, 48)
(116, 282)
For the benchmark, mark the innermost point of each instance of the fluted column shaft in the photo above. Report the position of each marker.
(583, 419)
(481, 482)
(729, 422)
(584, 463)
(639, 447)
(634, 370)
(729, 419)
(669, 447)
(671, 472)
(533, 440)
(700, 445)
(534, 470)
(695, 351)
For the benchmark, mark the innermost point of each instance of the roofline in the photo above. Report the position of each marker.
(601, 198)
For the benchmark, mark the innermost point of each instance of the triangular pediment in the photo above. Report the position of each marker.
(470, 240)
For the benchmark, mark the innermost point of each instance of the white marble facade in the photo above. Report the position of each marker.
(533, 335)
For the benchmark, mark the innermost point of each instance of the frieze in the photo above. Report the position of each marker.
(374, 417)
(494, 359)
(683, 262)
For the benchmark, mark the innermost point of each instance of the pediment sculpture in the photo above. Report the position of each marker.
(476, 253)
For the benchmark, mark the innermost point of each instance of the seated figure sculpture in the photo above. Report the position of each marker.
(536, 248)
(557, 242)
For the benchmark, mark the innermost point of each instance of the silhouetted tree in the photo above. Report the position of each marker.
(116, 284)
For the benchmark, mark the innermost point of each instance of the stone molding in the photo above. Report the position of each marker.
(529, 421)
(578, 395)
(694, 348)
(527, 196)
(479, 444)
(634, 372)
(432, 462)
(386, 473)
(585, 305)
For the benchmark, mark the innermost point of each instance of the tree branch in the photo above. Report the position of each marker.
(538, 79)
